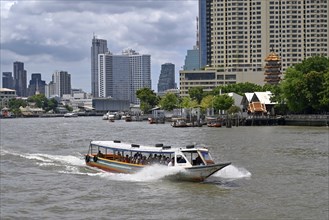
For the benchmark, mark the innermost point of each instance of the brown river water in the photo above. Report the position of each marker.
(277, 172)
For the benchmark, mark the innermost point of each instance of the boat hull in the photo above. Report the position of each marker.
(112, 165)
(198, 173)
(194, 174)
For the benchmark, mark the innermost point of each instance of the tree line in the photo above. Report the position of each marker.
(303, 90)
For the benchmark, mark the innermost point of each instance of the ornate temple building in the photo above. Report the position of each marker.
(272, 69)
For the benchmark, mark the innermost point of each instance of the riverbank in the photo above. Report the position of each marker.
(289, 120)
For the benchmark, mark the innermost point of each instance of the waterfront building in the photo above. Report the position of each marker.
(114, 76)
(5, 95)
(140, 72)
(20, 80)
(108, 104)
(36, 85)
(236, 36)
(7, 80)
(99, 46)
(60, 84)
(208, 79)
(167, 77)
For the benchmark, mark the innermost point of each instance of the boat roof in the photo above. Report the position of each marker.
(158, 148)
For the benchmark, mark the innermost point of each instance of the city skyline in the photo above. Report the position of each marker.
(157, 28)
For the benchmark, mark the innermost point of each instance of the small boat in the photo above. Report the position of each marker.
(151, 120)
(195, 162)
(216, 124)
(70, 115)
(179, 123)
(128, 118)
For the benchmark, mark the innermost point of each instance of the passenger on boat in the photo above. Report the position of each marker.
(172, 162)
(100, 154)
(198, 160)
(127, 159)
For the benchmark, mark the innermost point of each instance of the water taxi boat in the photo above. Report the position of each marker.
(194, 162)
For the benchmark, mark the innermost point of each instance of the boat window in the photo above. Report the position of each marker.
(206, 155)
(180, 159)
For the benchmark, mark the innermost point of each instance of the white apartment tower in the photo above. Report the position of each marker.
(114, 76)
(140, 71)
(120, 76)
(235, 36)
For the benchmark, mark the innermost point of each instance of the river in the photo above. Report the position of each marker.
(277, 172)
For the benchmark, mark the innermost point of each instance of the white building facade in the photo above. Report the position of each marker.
(120, 76)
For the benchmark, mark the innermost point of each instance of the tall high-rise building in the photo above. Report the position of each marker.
(7, 80)
(236, 36)
(20, 79)
(99, 46)
(60, 84)
(192, 59)
(167, 77)
(36, 85)
(140, 70)
(120, 76)
(114, 76)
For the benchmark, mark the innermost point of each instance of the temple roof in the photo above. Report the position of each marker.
(272, 57)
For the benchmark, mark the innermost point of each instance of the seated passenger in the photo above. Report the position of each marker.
(198, 160)
(172, 162)
(100, 154)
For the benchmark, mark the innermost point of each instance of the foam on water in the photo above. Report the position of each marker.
(233, 172)
(148, 174)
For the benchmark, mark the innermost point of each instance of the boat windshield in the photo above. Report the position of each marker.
(207, 157)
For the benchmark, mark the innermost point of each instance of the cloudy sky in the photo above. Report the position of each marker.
(50, 35)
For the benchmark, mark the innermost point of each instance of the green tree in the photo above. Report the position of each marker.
(223, 102)
(239, 88)
(324, 94)
(51, 104)
(169, 101)
(207, 102)
(147, 98)
(315, 63)
(196, 93)
(187, 102)
(14, 105)
(304, 86)
(234, 109)
(39, 99)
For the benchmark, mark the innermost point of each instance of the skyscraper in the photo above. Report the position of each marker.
(61, 81)
(236, 36)
(36, 85)
(120, 76)
(20, 80)
(7, 80)
(99, 46)
(140, 70)
(114, 76)
(192, 59)
(167, 77)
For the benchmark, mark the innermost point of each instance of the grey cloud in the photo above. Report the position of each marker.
(57, 52)
(62, 30)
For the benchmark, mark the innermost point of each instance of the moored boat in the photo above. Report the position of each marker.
(70, 115)
(179, 123)
(195, 162)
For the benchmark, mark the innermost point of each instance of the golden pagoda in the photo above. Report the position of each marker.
(272, 68)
